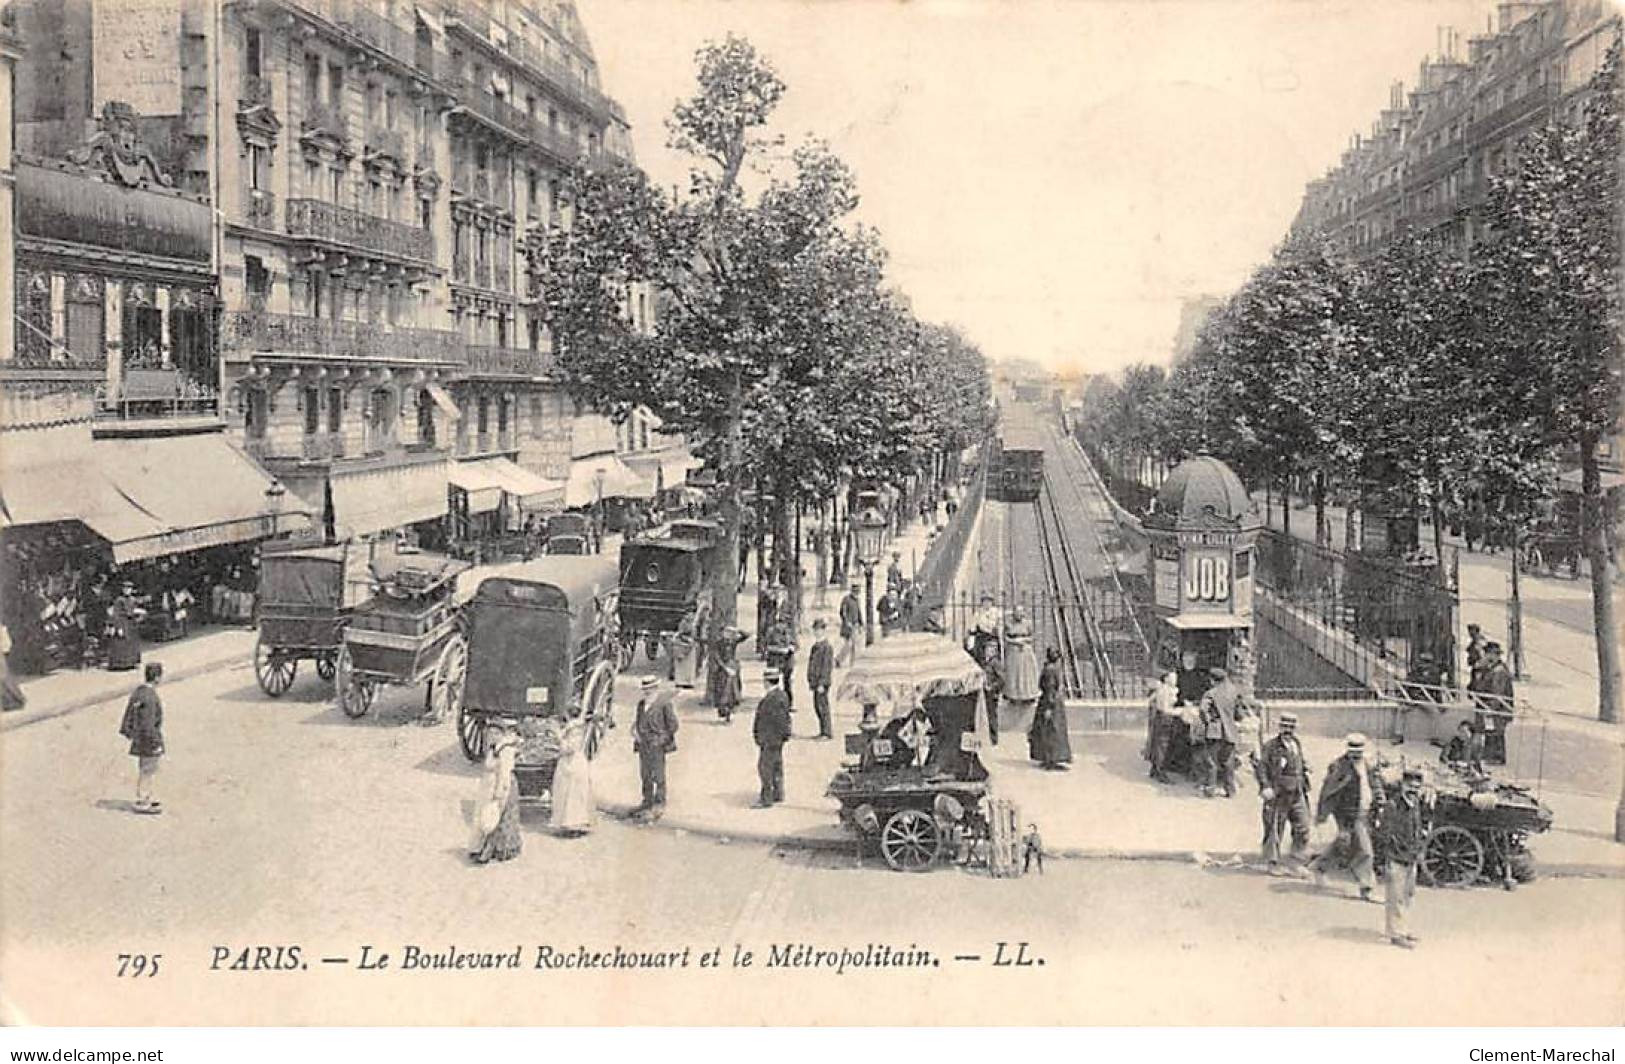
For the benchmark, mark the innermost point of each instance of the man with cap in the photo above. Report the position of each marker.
(781, 650)
(1402, 831)
(1283, 781)
(820, 673)
(654, 735)
(851, 614)
(772, 731)
(1223, 706)
(1352, 792)
(1492, 694)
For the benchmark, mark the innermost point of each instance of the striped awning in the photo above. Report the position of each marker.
(910, 665)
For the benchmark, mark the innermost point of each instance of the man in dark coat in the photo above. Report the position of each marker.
(1466, 747)
(894, 573)
(143, 725)
(1492, 693)
(993, 688)
(781, 651)
(771, 730)
(890, 609)
(851, 614)
(1283, 781)
(1352, 792)
(820, 674)
(1475, 653)
(1222, 707)
(1193, 680)
(1401, 836)
(654, 735)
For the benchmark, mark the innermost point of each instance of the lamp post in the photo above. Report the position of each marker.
(869, 528)
(274, 496)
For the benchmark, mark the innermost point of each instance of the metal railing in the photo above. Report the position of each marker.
(381, 140)
(255, 92)
(315, 218)
(325, 118)
(261, 208)
(936, 572)
(265, 331)
(508, 361)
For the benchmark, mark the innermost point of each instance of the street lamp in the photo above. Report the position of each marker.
(274, 496)
(869, 529)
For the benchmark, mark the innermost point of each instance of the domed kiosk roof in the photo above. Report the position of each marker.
(1203, 493)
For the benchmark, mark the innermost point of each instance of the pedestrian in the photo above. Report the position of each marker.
(1402, 831)
(143, 725)
(1193, 680)
(572, 811)
(1047, 740)
(496, 816)
(1283, 780)
(820, 673)
(890, 609)
(11, 695)
(1492, 693)
(851, 615)
(1352, 793)
(1475, 654)
(1032, 850)
(894, 573)
(771, 731)
(684, 651)
(724, 684)
(781, 651)
(992, 688)
(654, 735)
(1466, 747)
(1223, 708)
(123, 637)
(1020, 661)
(987, 628)
(1158, 725)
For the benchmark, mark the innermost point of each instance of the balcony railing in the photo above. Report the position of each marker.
(508, 362)
(384, 35)
(314, 218)
(255, 92)
(261, 208)
(382, 140)
(487, 443)
(325, 118)
(296, 334)
(322, 447)
(1486, 127)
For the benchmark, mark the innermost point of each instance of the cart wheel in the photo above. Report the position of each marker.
(598, 704)
(354, 693)
(324, 667)
(470, 734)
(910, 841)
(1453, 858)
(449, 675)
(273, 669)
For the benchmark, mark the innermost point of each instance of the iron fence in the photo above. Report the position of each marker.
(935, 575)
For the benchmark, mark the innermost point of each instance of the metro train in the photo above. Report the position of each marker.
(1015, 468)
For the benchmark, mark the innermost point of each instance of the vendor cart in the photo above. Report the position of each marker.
(538, 644)
(301, 614)
(407, 632)
(1480, 830)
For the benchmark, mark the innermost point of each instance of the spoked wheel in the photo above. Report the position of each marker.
(598, 706)
(354, 693)
(470, 734)
(273, 668)
(910, 841)
(446, 698)
(325, 668)
(1453, 858)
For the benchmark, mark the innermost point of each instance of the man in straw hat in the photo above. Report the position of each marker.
(1402, 833)
(654, 735)
(1283, 782)
(1353, 794)
(771, 730)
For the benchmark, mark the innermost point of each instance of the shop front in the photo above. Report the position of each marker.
(497, 507)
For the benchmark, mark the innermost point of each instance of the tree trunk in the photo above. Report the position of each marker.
(1323, 533)
(1286, 506)
(1602, 580)
(1436, 512)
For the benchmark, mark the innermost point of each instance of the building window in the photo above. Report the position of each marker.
(313, 79)
(426, 213)
(313, 411)
(335, 85)
(483, 416)
(336, 187)
(259, 167)
(251, 52)
(390, 108)
(335, 409)
(257, 278)
(87, 333)
(502, 416)
(254, 404)
(425, 418)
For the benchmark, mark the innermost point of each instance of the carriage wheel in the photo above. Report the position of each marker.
(470, 734)
(273, 668)
(1453, 858)
(354, 693)
(598, 706)
(324, 667)
(446, 692)
(910, 841)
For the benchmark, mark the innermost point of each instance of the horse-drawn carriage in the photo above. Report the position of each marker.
(665, 579)
(302, 614)
(539, 643)
(407, 632)
(569, 534)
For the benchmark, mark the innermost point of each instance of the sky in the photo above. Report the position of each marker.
(1054, 178)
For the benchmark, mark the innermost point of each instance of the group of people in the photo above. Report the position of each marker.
(1004, 647)
(1196, 719)
(496, 834)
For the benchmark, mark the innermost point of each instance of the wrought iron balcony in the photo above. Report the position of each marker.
(486, 361)
(323, 221)
(381, 33)
(261, 208)
(255, 92)
(250, 331)
(382, 140)
(325, 119)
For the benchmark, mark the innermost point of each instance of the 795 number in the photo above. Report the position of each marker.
(135, 965)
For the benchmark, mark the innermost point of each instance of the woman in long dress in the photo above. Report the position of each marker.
(123, 639)
(1020, 662)
(496, 816)
(1047, 739)
(684, 653)
(572, 779)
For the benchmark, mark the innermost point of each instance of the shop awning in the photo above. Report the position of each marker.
(146, 496)
(672, 465)
(373, 500)
(443, 400)
(484, 490)
(533, 491)
(619, 481)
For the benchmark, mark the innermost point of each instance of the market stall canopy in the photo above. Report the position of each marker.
(910, 665)
(142, 495)
(582, 488)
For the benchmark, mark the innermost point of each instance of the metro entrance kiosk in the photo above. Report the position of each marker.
(1203, 531)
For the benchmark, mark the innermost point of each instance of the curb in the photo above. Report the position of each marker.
(24, 717)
